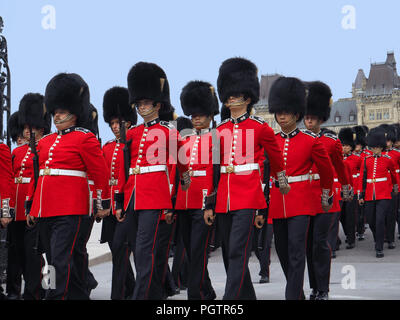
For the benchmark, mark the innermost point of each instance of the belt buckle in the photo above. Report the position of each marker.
(230, 169)
(136, 170)
(373, 180)
(191, 173)
(19, 180)
(46, 171)
(113, 182)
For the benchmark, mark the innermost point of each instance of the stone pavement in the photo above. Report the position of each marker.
(356, 273)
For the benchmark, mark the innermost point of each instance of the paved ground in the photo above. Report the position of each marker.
(356, 274)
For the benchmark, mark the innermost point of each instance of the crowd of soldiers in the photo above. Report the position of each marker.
(189, 182)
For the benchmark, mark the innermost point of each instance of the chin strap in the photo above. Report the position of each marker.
(67, 118)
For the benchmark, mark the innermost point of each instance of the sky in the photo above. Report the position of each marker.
(102, 39)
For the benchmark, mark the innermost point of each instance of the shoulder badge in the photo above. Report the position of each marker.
(310, 133)
(387, 156)
(110, 141)
(331, 135)
(82, 130)
(258, 119)
(223, 122)
(166, 124)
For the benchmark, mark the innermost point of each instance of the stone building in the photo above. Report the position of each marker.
(375, 100)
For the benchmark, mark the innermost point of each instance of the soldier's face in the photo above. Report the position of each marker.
(358, 148)
(27, 133)
(389, 144)
(146, 108)
(114, 124)
(201, 121)
(63, 119)
(312, 123)
(346, 149)
(376, 150)
(286, 120)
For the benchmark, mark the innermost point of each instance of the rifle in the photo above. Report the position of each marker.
(126, 150)
(266, 177)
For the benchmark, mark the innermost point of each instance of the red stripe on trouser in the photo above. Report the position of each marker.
(204, 265)
(70, 256)
(245, 255)
(305, 250)
(152, 256)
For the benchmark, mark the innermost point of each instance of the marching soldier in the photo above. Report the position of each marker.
(318, 249)
(243, 139)
(117, 112)
(66, 159)
(15, 130)
(24, 255)
(394, 154)
(199, 101)
(301, 150)
(349, 208)
(360, 145)
(145, 192)
(376, 188)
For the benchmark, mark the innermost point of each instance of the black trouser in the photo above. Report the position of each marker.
(196, 235)
(34, 264)
(160, 288)
(334, 231)
(80, 272)
(108, 229)
(376, 212)
(390, 220)
(236, 229)
(180, 263)
(146, 225)
(62, 234)
(122, 245)
(16, 256)
(290, 242)
(360, 209)
(319, 251)
(264, 255)
(348, 219)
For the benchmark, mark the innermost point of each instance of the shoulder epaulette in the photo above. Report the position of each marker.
(22, 145)
(357, 154)
(395, 149)
(310, 133)
(80, 129)
(110, 141)
(166, 124)
(387, 156)
(258, 119)
(189, 135)
(223, 122)
(331, 135)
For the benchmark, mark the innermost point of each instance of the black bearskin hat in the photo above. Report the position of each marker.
(32, 112)
(183, 123)
(199, 97)
(361, 136)
(116, 105)
(390, 132)
(376, 138)
(169, 116)
(14, 128)
(89, 120)
(347, 137)
(396, 126)
(318, 100)
(238, 76)
(287, 95)
(67, 91)
(149, 81)
(225, 113)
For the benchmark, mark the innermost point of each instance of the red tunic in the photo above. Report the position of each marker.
(334, 149)
(74, 149)
(7, 187)
(243, 141)
(197, 147)
(23, 178)
(301, 150)
(153, 144)
(381, 175)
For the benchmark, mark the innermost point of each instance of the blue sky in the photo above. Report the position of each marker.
(101, 40)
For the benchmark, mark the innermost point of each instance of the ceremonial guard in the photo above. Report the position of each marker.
(301, 150)
(24, 255)
(198, 100)
(7, 187)
(394, 154)
(243, 140)
(117, 113)
(318, 110)
(360, 145)
(15, 130)
(145, 191)
(66, 158)
(375, 186)
(349, 208)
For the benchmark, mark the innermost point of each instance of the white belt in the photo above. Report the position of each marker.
(397, 170)
(141, 170)
(240, 168)
(376, 180)
(335, 180)
(91, 182)
(356, 175)
(22, 180)
(314, 176)
(304, 177)
(198, 173)
(113, 182)
(62, 172)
